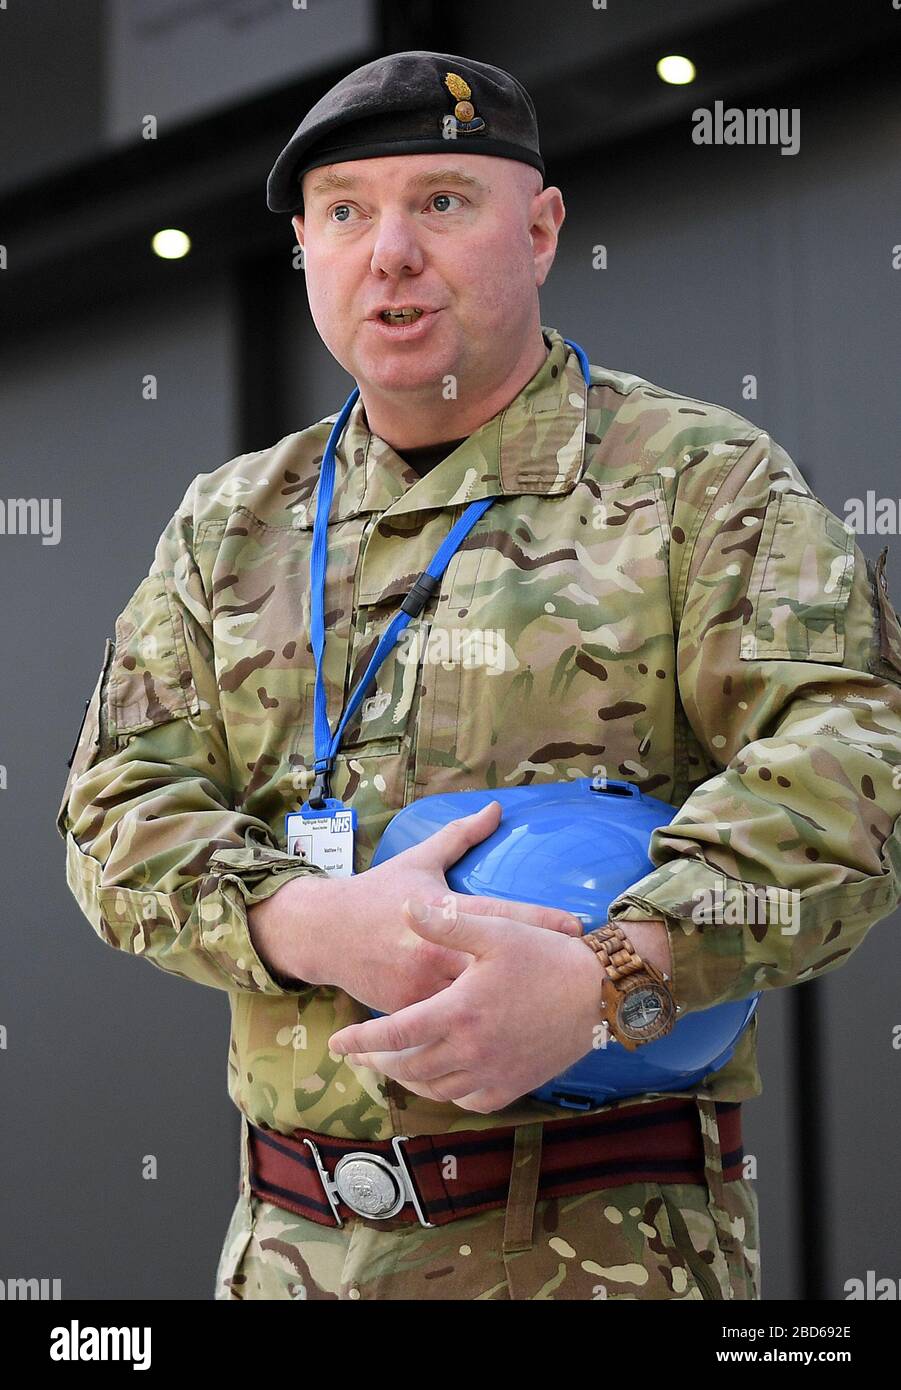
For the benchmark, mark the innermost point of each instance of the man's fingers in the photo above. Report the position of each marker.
(548, 918)
(422, 1065)
(449, 1087)
(448, 844)
(426, 1021)
(448, 925)
(482, 1102)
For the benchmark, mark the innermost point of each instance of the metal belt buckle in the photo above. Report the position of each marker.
(369, 1184)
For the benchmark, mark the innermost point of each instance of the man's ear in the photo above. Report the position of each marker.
(297, 223)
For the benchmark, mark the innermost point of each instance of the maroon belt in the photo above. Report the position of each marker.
(414, 1179)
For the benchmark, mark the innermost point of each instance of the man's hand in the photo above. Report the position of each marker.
(524, 1007)
(355, 932)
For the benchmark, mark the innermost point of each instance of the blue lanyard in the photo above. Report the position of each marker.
(326, 745)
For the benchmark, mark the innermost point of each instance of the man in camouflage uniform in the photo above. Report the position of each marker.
(676, 608)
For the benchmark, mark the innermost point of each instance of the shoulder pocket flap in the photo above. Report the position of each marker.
(800, 582)
(151, 680)
(90, 736)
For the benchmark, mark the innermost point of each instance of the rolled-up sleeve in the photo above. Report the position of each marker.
(157, 856)
(788, 656)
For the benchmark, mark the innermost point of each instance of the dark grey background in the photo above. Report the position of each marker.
(722, 262)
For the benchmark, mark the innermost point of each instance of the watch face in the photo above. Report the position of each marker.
(642, 1009)
(646, 1011)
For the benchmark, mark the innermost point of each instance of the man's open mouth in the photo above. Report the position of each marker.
(401, 315)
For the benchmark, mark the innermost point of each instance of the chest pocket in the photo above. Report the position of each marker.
(799, 583)
(398, 551)
(553, 653)
(384, 714)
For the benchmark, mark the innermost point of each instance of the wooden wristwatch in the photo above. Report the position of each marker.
(636, 1003)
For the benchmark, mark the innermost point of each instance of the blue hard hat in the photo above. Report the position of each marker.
(577, 845)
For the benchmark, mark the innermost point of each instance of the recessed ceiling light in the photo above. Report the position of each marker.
(676, 70)
(171, 244)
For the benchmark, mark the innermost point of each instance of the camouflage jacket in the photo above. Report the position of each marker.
(675, 607)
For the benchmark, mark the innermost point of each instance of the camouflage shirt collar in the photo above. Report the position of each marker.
(536, 444)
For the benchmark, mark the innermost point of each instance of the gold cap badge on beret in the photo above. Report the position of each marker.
(465, 120)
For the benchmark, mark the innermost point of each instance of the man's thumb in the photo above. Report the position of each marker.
(444, 923)
(451, 842)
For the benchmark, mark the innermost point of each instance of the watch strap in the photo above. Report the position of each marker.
(615, 952)
(620, 961)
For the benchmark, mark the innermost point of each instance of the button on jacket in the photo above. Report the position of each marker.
(655, 595)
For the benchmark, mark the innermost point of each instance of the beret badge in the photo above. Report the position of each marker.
(464, 120)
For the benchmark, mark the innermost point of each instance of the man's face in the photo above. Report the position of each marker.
(467, 238)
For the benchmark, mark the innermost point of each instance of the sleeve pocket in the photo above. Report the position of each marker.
(800, 582)
(151, 681)
(887, 661)
(90, 736)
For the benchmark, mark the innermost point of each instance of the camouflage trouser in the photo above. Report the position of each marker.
(640, 1241)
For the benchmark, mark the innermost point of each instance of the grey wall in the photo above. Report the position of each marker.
(107, 1060)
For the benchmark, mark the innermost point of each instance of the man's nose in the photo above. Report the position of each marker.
(396, 250)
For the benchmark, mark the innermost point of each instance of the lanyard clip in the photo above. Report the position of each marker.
(420, 594)
(321, 786)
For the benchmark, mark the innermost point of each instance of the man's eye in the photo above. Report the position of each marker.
(445, 196)
(340, 207)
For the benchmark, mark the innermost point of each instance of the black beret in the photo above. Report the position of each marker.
(409, 103)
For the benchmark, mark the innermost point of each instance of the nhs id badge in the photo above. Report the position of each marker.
(324, 837)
